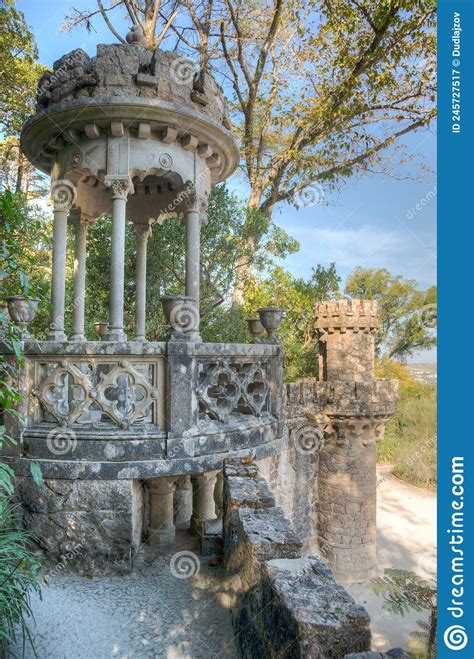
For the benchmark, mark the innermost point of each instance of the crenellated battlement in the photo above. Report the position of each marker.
(343, 315)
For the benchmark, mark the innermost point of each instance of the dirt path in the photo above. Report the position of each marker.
(406, 539)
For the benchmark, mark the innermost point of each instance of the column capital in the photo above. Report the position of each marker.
(78, 221)
(142, 230)
(63, 195)
(120, 185)
(192, 201)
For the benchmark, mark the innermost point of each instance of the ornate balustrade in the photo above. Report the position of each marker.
(139, 409)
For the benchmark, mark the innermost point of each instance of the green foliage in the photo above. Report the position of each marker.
(404, 591)
(18, 579)
(408, 314)
(18, 568)
(19, 71)
(410, 436)
(297, 297)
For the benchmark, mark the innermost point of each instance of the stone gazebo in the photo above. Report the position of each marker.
(124, 429)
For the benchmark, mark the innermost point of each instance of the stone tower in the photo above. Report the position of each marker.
(358, 405)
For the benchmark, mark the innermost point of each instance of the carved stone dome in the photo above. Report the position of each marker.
(153, 94)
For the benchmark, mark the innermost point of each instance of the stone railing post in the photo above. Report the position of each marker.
(63, 194)
(204, 507)
(120, 187)
(162, 529)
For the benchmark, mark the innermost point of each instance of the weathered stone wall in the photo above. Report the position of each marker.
(99, 523)
(283, 604)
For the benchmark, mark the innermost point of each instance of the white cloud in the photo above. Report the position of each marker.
(396, 248)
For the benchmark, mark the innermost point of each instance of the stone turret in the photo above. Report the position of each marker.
(356, 413)
(346, 339)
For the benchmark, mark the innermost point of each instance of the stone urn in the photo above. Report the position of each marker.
(271, 317)
(182, 314)
(101, 327)
(22, 311)
(255, 328)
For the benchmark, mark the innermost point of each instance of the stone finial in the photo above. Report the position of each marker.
(345, 315)
(136, 36)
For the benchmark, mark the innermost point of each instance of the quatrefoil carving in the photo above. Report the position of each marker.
(222, 390)
(117, 394)
(255, 388)
(123, 394)
(64, 393)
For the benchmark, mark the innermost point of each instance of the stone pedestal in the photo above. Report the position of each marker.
(183, 502)
(161, 529)
(204, 508)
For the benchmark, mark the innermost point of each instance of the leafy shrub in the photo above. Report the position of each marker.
(18, 579)
(404, 591)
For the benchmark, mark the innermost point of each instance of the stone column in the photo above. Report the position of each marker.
(120, 187)
(142, 233)
(218, 494)
(62, 196)
(161, 527)
(347, 498)
(204, 509)
(194, 214)
(79, 284)
(183, 502)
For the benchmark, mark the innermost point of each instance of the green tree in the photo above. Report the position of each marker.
(408, 315)
(297, 297)
(18, 566)
(404, 591)
(19, 70)
(319, 91)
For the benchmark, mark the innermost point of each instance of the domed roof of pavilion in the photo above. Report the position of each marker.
(149, 92)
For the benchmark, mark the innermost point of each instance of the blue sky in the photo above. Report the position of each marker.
(371, 221)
